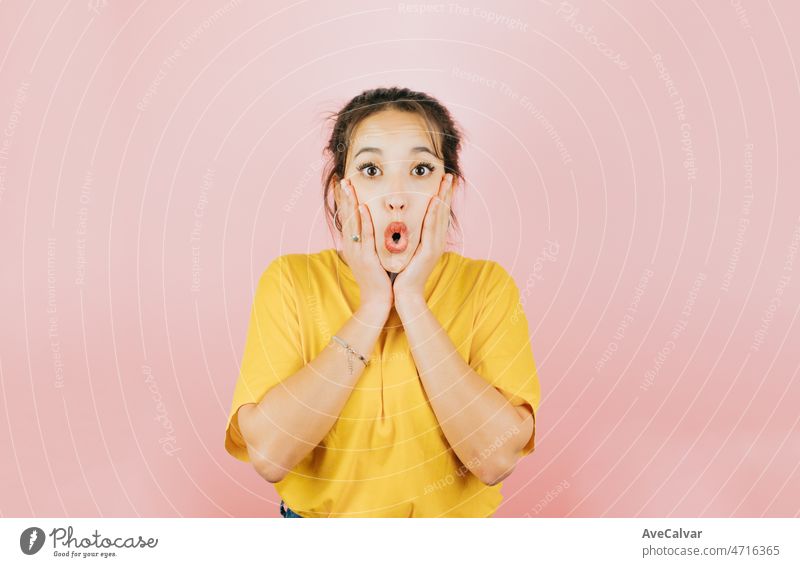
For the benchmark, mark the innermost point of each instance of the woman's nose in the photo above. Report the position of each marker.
(396, 198)
(396, 202)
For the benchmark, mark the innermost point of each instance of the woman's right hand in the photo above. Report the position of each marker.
(362, 256)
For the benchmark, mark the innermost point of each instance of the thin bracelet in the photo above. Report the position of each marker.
(350, 351)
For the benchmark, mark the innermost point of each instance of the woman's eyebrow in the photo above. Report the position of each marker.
(416, 150)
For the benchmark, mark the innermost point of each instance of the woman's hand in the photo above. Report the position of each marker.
(409, 284)
(362, 256)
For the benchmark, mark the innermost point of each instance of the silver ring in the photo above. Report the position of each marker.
(355, 237)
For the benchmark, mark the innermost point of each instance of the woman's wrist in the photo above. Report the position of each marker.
(410, 304)
(374, 311)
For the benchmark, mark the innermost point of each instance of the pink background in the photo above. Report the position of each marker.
(143, 145)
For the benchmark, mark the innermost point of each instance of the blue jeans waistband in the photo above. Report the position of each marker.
(288, 512)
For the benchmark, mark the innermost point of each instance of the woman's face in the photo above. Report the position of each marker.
(393, 169)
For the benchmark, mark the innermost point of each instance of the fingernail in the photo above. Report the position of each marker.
(345, 188)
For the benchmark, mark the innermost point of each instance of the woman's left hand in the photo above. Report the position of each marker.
(409, 284)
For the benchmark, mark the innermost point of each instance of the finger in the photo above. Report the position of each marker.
(439, 189)
(345, 216)
(357, 224)
(367, 228)
(435, 208)
(446, 196)
(431, 220)
(337, 202)
(449, 193)
(350, 225)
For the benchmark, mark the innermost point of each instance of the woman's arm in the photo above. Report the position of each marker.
(294, 416)
(484, 429)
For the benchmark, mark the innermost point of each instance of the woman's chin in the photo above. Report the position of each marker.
(394, 262)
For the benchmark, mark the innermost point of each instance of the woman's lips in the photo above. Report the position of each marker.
(395, 237)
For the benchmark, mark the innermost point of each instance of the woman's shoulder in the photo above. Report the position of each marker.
(294, 260)
(474, 269)
(297, 268)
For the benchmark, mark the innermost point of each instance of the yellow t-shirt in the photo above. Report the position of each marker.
(386, 455)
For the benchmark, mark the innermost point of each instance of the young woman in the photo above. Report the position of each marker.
(390, 378)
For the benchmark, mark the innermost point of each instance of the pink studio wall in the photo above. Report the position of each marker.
(632, 164)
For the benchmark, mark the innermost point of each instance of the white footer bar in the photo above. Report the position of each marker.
(421, 541)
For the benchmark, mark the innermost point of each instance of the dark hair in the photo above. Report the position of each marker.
(446, 145)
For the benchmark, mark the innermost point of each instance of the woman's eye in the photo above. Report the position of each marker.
(369, 169)
(423, 169)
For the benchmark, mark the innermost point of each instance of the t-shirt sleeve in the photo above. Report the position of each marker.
(501, 350)
(272, 350)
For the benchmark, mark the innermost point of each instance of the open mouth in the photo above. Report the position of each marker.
(395, 237)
